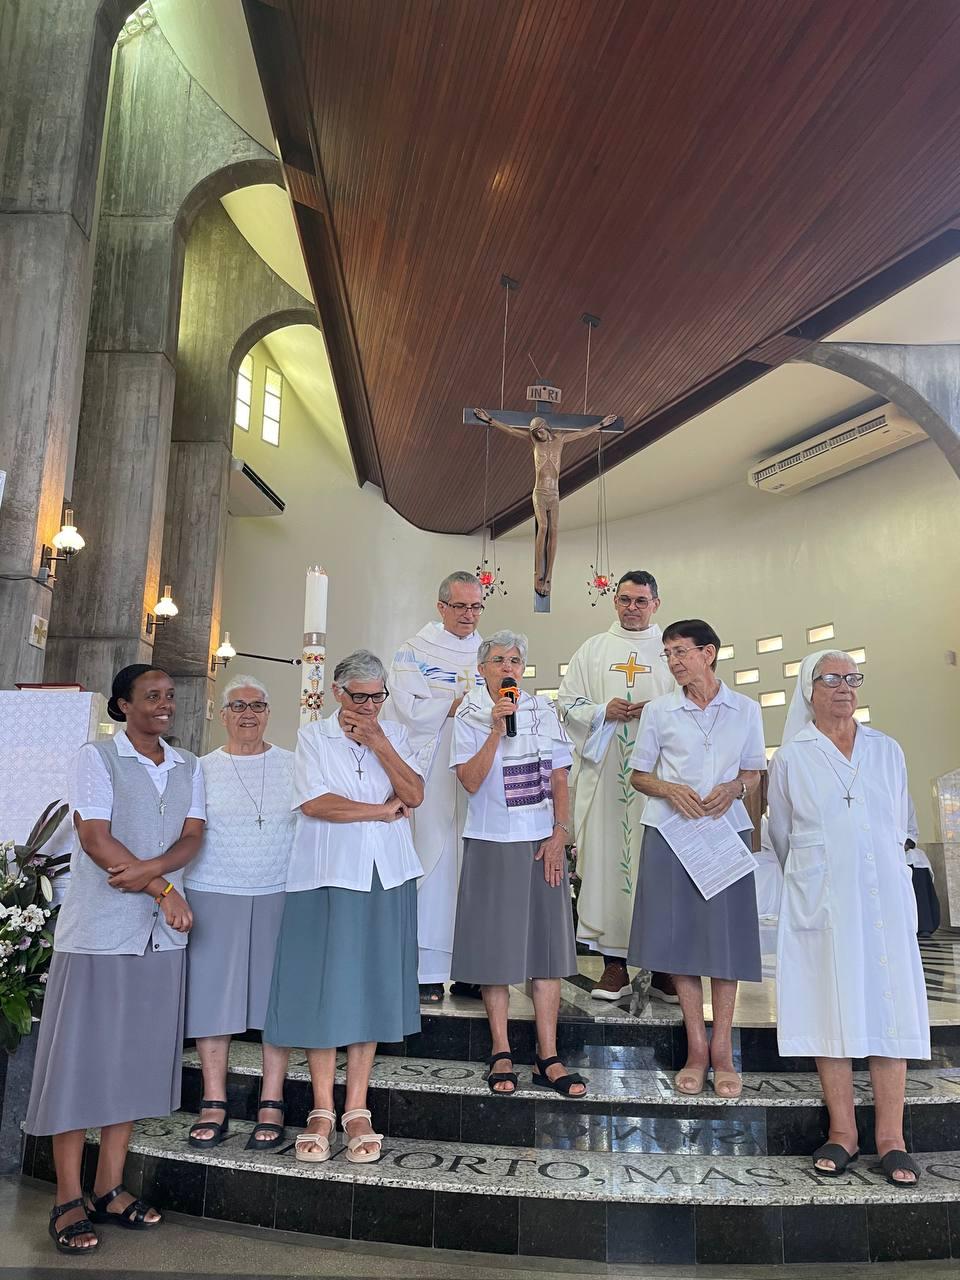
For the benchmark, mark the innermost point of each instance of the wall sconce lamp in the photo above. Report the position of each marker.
(65, 545)
(226, 652)
(223, 654)
(163, 610)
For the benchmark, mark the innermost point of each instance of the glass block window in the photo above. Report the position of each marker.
(272, 395)
(768, 751)
(751, 675)
(775, 698)
(563, 669)
(241, 408)
(724, 652)
(862, 714)
(769, 644)
(547, 693)
(817, 634)
(858, 655)
(791, 670)
(530, 673)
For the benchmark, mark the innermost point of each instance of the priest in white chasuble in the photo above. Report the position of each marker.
(609, 680)
(428, 679)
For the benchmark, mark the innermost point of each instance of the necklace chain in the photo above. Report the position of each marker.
(848, 795)
(263, 779)
(707, 732)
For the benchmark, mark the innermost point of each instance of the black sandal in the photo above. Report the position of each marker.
(82, 1227)
(470, 990)
(894, 1160)
(431, 992)
(840, 1156)
(133, 1217)
(220, 1130)
(500, 1077)
(562, 1084)
(265, 1126)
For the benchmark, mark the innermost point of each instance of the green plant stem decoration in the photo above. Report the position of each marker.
(26, 923)
(626, 797)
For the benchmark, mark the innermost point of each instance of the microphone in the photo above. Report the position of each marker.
(508, 689)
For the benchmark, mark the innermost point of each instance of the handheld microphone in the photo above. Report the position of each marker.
(509, 689)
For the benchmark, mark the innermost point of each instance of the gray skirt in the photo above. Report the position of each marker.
(230, 961)
(676, 930)
(511, 925)
(346, 968)
(108, 1046)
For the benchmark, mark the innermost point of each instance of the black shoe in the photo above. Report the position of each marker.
(471, 990)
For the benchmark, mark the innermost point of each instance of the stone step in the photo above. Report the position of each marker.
(627, 1110)
(614, 1206)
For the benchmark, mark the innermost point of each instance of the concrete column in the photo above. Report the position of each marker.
(54, 74)
(169, 147)
(231, 299)
(922, 381)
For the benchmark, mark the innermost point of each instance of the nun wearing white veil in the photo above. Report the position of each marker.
(849, 977)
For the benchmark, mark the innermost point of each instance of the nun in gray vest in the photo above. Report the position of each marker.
(108, 1048)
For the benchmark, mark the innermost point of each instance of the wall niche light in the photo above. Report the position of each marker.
(224, 653)
(162, 611)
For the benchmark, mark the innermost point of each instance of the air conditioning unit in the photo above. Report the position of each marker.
(249, 494)
(843, 448)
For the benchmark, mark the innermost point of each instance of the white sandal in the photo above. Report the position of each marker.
(319, 1141)
(363, 1140)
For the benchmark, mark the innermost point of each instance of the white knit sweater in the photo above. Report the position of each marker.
(237, 856)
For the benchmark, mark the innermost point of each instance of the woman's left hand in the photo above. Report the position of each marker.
(552, 852)
(716, 804)
(134, 877)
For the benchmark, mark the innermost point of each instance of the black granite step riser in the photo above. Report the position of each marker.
(618, 1045)
(612, 1232)
(748, 1129)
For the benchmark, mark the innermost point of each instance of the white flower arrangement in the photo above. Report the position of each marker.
(26, 912)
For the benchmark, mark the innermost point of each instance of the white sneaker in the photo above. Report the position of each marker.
(607, 988)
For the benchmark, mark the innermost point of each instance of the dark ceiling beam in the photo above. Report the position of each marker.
(277, 53)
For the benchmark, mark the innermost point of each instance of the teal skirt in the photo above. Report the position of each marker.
(345, 970)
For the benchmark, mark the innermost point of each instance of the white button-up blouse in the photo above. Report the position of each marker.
(700, 747)
(343, 855)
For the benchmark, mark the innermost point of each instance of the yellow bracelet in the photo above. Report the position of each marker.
(163, 893)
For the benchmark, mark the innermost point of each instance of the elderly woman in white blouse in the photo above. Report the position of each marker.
(849, 977)
(514, 915)
(235, 888)
(346, 964)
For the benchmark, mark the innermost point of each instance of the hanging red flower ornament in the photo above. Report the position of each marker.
(486, 578)
(599, 585)
(490, 579)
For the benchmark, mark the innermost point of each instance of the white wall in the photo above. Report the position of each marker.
(877, 553)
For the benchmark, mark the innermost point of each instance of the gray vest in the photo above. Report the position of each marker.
(98, 920)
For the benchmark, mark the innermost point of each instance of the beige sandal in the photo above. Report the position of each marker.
(362, 1140)
(727, 1084)
(690, 1080)
(319, 1141)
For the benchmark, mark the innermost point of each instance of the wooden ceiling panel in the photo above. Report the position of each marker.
(702, 176)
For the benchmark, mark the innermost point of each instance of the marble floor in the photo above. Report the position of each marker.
(190, 1247)
(756, 1001)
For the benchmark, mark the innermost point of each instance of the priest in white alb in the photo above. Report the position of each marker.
(609, 680)
(428, 679)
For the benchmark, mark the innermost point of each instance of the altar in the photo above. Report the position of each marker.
(40, 732)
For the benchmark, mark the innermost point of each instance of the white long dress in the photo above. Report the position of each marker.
(606, 811)
(849, 977)
(427, 673)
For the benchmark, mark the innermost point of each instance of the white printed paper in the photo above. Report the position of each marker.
(711, 852)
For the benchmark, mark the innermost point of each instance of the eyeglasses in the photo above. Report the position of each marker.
(680, 653)
(358, 699)
(635, 602)
(833, 679)
(238, 706)
(505, 662)
(463, 608)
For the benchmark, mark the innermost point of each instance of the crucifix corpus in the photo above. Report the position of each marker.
(547, 432)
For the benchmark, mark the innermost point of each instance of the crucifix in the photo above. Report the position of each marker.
(358, 759)
(260, 820)
(547, 432)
